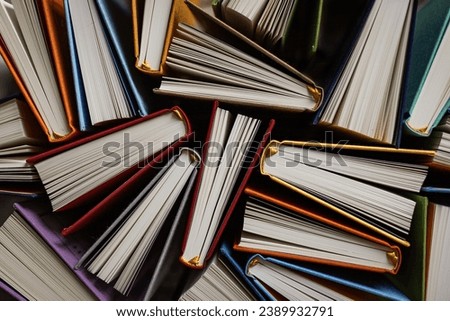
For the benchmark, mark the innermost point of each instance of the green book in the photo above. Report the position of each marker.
(432, 22)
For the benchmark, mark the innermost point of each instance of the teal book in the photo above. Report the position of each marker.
(430, 48)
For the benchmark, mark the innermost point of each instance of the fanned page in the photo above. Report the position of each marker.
(367, 97)
(202, 66)
(432, 100)
(272, 229)
(74, 172)
(153, 33)
(228, 147)
(105, 95)
(121, 257)
(363, 190)
(30, 266)
(217, 283)
(291, 285)
(23, 36)
(439, 260)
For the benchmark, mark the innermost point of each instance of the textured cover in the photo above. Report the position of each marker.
(329, 220)
(239, 187)
(363, 282)
(110, 185)
(38, 214)
(431, 22)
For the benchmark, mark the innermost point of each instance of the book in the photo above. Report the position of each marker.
(18, 125)
(218, 283)
(119, 254)
(32, 268)
(272, 27)
(428, 85)
(75, 173)
(202, 66)
(24, 48)
(117, 22)
(9, 87)
(237, 262)
(374, 76)
(365, 197)
(410, 278)
(437, 258)
(54, 26)
(281, 226)
(266, 22)
(154, 23)
(242, 16)
(116, 201)
(100, 91)
(318, 282)
(232, 147)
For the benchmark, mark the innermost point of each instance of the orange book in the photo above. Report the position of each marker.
(310, 234)
(54, 32)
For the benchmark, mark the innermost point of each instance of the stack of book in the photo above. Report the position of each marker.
(180, 150)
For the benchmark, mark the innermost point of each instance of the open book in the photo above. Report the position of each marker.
(100, 91)
(32, 268)
(152, 33)
(218, 283)
(276, 225)
(428, 85)
(298, 280)
(119, 254)
(287, 284)
(360, 188)
(203, 66)
(233, 145)
(437, 284)
(93, 165)
(367, 98)
(24, 48)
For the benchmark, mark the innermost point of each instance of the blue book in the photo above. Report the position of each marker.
(360, 285)
(113, 16)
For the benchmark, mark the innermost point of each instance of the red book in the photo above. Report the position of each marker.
(89, 164)
(233, 188)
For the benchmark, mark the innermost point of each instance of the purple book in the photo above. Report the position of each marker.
(48, 225)
(7, 293)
